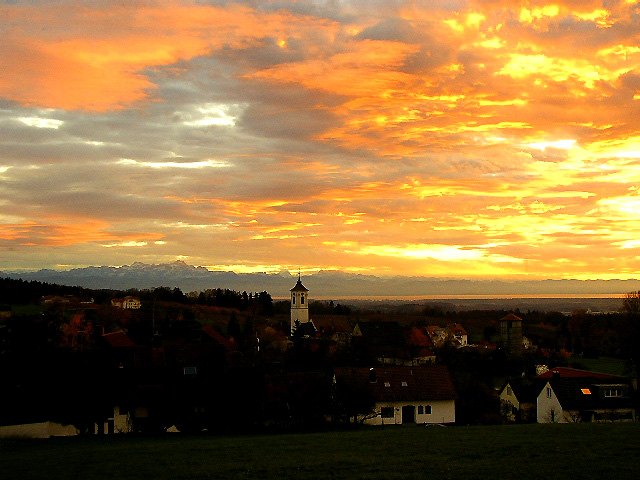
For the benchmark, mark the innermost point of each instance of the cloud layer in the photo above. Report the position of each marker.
(453, 139)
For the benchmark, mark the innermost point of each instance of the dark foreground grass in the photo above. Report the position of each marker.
(583, 451)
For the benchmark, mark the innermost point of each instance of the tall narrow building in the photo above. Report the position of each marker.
(299, 304)
(511, 334)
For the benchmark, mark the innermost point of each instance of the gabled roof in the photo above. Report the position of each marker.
(425, 383)
(511, 318)
(332, 324)
(227, 344)
(118, 339)
(524, 389)
(418, 337)
(584, 393)
(457, 329)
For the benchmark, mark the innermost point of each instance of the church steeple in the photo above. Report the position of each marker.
(299, 304)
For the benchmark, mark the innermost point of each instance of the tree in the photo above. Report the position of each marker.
(352, 400)
(78, 332)
(233, 328)
(630, 331)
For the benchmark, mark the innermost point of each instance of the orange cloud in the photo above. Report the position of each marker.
(77, 58)
(67, 233)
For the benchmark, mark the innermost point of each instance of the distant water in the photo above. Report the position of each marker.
(412, 298)
(566, 303)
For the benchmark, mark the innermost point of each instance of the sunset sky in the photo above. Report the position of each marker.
(472, 139)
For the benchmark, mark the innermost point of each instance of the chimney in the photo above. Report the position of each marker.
(556, 374)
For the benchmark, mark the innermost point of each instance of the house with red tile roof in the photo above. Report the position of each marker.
(118, 339)
(420, 345)
(457, 334)
(404, 395)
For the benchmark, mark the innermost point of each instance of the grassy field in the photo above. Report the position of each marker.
(612, 366)
(583, 451)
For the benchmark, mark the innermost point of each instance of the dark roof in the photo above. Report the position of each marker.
(566, 372)
(118, 339)
(524, 389)
(331, 324)
(585, 393)
(429, 382)
(228, 345)
(299, 287)
(383, 339)
(307, 329)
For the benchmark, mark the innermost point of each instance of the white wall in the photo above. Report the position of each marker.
(548, 407)
(509, 400)
(442, 411)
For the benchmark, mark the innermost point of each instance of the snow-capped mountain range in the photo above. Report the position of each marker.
(323, 284)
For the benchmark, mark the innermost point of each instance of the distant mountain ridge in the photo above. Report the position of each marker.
(323, 284)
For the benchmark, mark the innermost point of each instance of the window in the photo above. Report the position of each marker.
(387, 384)
(585, 391)
(302, 299)
(427, 409)
(190, 371)
(404, 384)
(386, 412)
(549, 392)
(420, 409)
(509, 390)
(293, 298)
(613, 392)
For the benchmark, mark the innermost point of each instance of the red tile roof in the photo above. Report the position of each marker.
(457, 329)
(419, 337)
(118, 339)
(227, 344)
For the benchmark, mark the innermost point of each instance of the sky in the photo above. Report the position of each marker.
(458, 139)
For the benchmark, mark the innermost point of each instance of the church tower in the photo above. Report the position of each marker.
(299, 304)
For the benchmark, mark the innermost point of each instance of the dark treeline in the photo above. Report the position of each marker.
(21, 292)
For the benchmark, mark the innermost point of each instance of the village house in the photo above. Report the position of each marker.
(579, 397)
(567, 395)
(437, 334)
(126, 303)
(518, 400)
(420, 345)
(337, 328)
(403, 395)
(456, 333)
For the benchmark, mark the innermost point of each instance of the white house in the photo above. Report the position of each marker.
(548, 406)
(585, 399)
(404, 395)
(126, 303)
